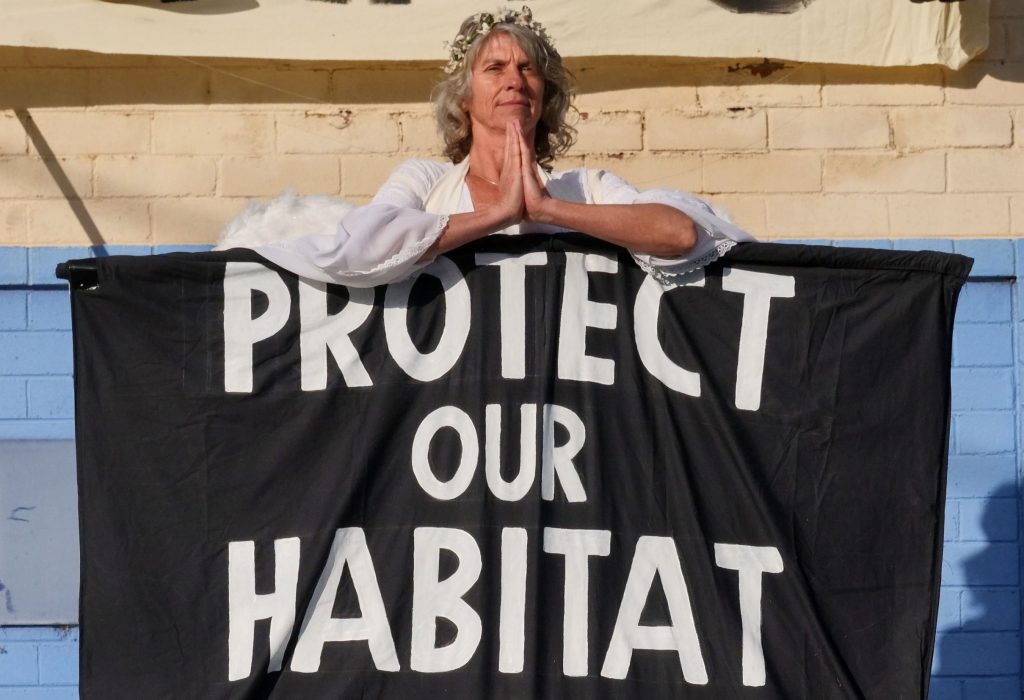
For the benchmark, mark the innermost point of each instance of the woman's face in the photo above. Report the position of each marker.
(504, 87)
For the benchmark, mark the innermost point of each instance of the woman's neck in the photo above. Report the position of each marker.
(487, 154)
(486, 158)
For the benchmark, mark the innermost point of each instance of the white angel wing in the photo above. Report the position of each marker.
(285, 217)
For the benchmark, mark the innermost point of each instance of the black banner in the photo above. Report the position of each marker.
(532, 471)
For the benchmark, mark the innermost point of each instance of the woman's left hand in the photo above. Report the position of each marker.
(537, 201)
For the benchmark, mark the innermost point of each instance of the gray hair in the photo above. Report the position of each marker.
(554, 133)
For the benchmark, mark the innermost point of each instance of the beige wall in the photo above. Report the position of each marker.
(122, 149)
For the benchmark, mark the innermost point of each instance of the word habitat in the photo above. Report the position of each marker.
(434, 599)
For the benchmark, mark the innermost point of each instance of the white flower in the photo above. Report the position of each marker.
(485, 22)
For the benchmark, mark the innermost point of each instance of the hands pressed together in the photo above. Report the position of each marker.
(656, 229)
(522, 195)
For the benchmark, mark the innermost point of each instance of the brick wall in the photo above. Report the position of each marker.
(38, 663)
(166, 150)
(978, 650)
(36, 401)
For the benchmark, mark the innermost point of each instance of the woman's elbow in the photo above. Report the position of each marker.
(678, 236)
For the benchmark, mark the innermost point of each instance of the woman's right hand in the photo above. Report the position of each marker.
(511, 202)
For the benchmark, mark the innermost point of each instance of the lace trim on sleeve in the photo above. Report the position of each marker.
(412, 252)
(668, 276)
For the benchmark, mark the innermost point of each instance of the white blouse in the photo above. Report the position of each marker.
(383, 241)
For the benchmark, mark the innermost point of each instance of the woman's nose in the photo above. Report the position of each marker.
(514, 78)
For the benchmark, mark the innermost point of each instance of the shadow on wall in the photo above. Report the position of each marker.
(205, 7)
(986, 590)
(223, 7)
(36, 78)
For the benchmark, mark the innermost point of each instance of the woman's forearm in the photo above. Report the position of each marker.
(654, 229)
(465, 228)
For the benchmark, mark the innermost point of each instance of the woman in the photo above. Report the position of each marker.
(502, 113)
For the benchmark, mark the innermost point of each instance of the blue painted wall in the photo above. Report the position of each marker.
(38, 663)
(978, 650)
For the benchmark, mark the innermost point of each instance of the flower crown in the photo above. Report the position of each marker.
(481, 25)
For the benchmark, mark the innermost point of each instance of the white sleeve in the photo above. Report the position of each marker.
(375, 244)
(715, 233)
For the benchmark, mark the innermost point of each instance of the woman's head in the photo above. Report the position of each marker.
(453, 97)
